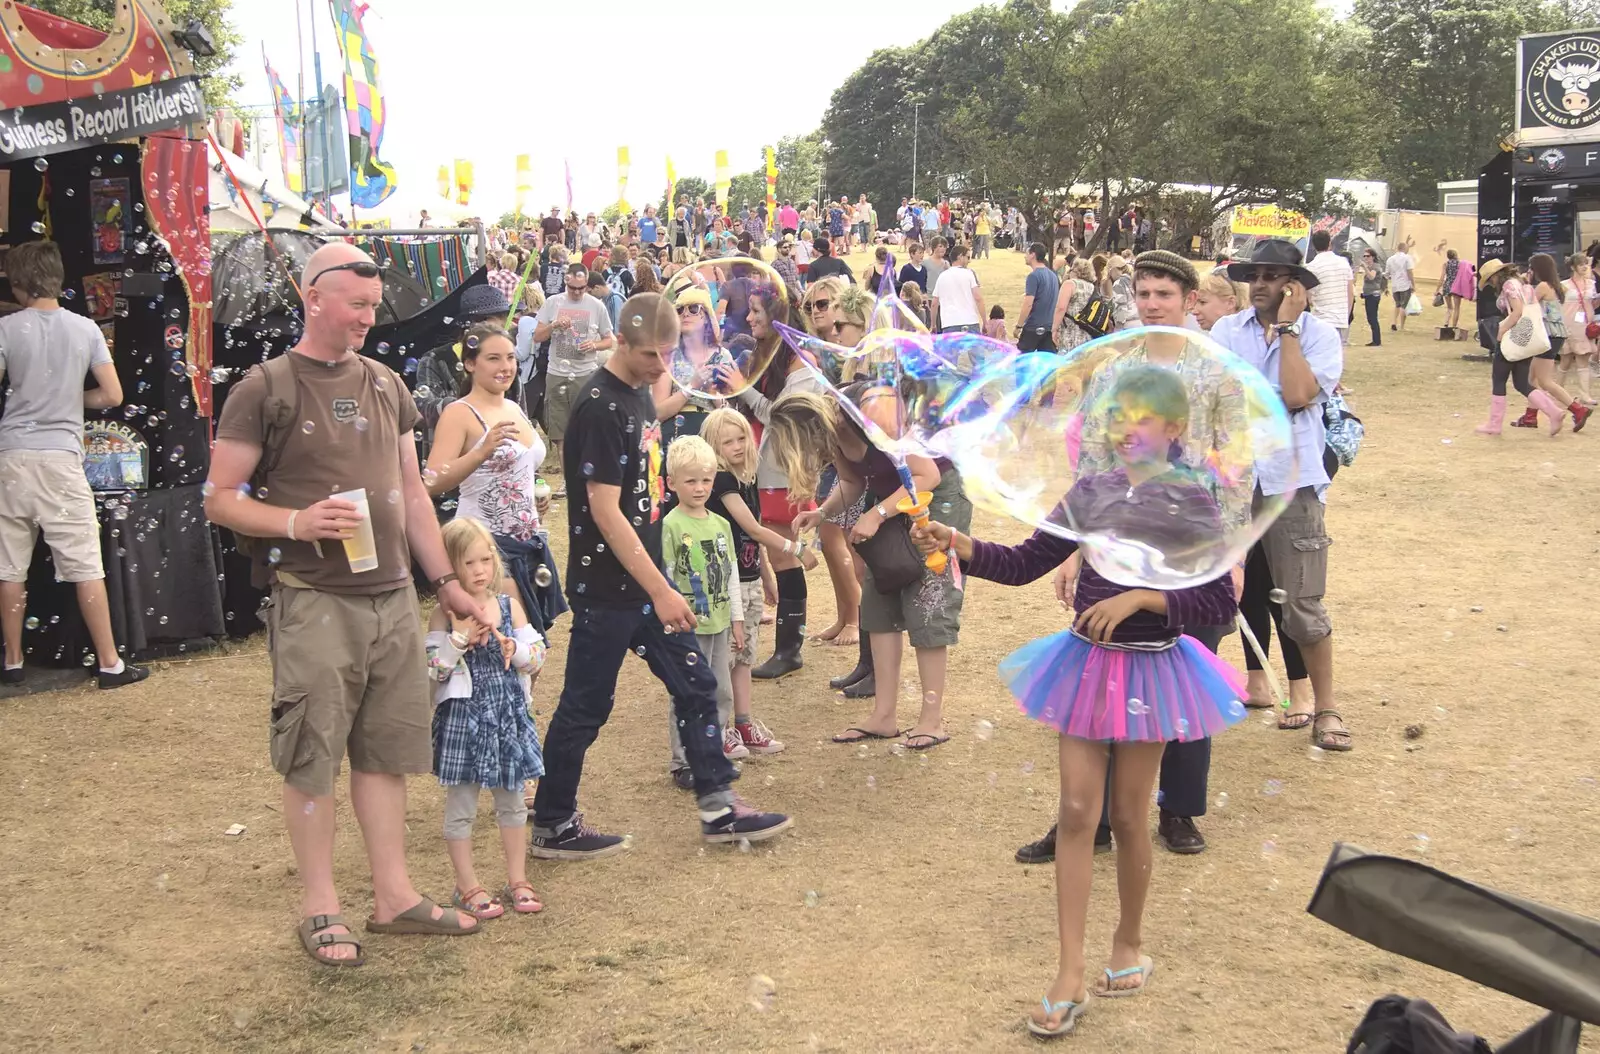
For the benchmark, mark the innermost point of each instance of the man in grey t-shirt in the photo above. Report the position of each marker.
(936, 265)
(578, 328)
(45, 354)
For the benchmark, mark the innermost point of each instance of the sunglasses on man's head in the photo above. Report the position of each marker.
(362, 269)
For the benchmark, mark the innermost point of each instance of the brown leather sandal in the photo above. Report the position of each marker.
(1334, 739)
(313, 942)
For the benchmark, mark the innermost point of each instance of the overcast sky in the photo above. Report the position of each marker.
(475, 79)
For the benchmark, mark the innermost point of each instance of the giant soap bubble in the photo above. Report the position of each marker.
(727, 311)
(1142, 446)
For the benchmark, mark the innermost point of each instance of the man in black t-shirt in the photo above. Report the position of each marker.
(826, 263)
(622, 602)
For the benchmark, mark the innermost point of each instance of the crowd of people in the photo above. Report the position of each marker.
(688, 518)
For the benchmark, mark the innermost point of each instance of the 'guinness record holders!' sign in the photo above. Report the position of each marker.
(53, 128)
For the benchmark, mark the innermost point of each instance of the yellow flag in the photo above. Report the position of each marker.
(622, 178)
(463, 182)
(772, 188)
(524, 182)
(444, 181)
(724, 184)
(672, 188)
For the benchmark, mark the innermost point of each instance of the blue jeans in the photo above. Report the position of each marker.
(601, 638)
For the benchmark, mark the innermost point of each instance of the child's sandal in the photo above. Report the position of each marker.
(482, 910)
(524, 905)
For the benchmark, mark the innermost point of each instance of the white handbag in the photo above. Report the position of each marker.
(1527, 338)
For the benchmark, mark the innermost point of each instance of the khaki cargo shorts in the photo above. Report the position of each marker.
(348, 676)
(559, 395)
(1296, 548)
(46, 490)
(929, 609)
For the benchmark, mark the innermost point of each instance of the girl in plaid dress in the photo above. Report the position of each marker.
(483, 734)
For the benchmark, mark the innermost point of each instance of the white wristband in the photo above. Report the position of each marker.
(788, 547)
(459, 639)
(292, 514)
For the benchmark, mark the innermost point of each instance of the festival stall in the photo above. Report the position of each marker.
(95, 130)
(1531, 198)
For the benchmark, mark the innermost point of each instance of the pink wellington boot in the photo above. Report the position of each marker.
(1540, 400)
(1497, 417)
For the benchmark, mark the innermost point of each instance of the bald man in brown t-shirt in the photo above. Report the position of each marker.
(346, 642)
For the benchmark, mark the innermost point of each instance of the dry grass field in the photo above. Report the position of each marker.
(892, 917)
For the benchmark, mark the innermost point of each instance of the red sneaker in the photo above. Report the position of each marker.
(758, 739)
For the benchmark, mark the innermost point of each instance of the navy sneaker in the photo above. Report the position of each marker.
(129, 674)
(578, 842)
(684, 778)
(10, 676)
(741, 823)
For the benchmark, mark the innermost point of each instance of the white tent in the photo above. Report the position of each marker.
(404, 208)
(271, 199)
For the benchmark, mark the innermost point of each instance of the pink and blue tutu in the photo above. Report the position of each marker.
(1120, 694)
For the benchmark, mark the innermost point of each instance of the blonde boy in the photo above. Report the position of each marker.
(698, 551)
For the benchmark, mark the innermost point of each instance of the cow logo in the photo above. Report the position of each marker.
(1551, 162)
(1562, 84)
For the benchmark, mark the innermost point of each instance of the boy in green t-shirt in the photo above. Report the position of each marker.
(697, 548)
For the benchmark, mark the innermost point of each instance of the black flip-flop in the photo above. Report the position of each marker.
(933, 741)
(864, 736)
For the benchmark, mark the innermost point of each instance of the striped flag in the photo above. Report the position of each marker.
(287, 111)
(371, 181)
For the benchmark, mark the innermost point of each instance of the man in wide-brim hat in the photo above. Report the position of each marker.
(1302, 357)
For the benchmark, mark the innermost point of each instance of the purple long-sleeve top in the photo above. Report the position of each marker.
(1211, 604)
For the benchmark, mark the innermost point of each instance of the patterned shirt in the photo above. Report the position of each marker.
(505, 281)
(1218, 422)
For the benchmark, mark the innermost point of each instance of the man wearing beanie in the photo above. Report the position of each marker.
(1165, 288)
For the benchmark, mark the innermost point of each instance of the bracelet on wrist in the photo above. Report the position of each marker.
(292, 514)
(459, 639)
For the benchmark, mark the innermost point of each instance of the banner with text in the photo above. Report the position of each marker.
(1269, 221)
(53, 128)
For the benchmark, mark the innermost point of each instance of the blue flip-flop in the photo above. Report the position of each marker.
(1146, 969)
(1068, 1023)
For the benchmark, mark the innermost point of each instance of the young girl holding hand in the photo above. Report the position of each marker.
(483, 734)
(1123, 680)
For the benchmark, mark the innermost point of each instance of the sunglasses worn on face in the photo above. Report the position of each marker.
(820, 305)
(362, 269)
(689, 309)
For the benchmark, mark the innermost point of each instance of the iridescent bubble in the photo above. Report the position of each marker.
(693, 658)
(38, 227)
(274, 556)
(308, 427)
(362, 424)
(1277, 596)
(1097, 445)
(32, 622)
(983, 729)
(763, 990)
(542, 577)
(40, 164)
(720, 358)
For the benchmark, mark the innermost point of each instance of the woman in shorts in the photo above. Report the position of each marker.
(808, 430)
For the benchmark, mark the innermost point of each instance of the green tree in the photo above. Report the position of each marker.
(799, 160)
(1444, 80)
(690, 187)
(216, 82)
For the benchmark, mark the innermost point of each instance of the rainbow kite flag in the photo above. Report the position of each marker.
(288, 114)
(371, 181)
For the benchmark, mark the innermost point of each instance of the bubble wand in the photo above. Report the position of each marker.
(915, 505)
(1266, 667)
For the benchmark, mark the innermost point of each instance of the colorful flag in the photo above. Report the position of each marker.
(524, 182)
(724, 183)
(672, 188)
(287, 111)
(444, 181)
(463, 182)
(371, 181)
(772, 187)
(622, 178)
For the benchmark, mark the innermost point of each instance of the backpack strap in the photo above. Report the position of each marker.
(277, 373)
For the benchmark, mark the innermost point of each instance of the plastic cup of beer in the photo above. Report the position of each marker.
(361, 549)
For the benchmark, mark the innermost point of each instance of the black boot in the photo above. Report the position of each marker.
(790, 629)
(863, 666)
(866, 688)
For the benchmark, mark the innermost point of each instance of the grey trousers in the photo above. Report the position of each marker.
(716, 651)
(461, 809)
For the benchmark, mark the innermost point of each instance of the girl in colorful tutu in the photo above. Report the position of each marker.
(1124, 680)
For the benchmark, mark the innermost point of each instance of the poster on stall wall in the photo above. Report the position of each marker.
(111, 206)
(115, 456)
(100, 294)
